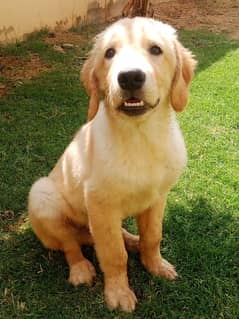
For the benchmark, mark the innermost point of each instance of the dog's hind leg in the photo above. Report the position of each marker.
(48, 212)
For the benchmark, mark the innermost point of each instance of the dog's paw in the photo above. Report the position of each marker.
(161, 267)
(82, 272)
(120, 297)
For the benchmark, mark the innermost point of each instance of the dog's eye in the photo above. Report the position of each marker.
(109, 53)
(155, 50)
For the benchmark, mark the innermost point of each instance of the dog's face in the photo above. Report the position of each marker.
(136, 65)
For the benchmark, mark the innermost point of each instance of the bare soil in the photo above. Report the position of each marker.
(61, 37)
(216, 16)
(15, 70)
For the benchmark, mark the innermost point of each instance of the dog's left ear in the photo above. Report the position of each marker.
(90, 83)
(185, 65)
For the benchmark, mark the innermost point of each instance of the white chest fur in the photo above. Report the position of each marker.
(136, 162)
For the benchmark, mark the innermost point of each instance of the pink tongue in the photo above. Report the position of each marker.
(133, 100)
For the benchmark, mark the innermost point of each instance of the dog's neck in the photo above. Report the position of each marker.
(153, 126)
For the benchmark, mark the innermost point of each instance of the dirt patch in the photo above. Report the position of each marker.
(14, 70)
(61, 37)
(80, 38)
(61, 41)
(215, 16)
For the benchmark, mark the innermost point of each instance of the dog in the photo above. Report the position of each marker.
(123, 161)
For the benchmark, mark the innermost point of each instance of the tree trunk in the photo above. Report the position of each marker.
(135, 8)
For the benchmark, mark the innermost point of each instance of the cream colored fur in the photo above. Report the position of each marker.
(118, 165)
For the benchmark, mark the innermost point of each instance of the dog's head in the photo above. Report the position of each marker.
(135, 66)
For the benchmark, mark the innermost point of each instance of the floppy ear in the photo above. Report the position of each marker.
(185, 65)
(90, 83)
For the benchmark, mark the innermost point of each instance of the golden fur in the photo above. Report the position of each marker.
(118, 165)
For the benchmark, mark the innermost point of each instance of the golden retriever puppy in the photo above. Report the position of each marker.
(123, 162)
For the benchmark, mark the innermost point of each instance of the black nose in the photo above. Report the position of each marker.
(131, 80)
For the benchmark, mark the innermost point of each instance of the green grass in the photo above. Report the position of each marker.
(201, 230)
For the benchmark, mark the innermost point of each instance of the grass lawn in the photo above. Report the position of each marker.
(201, 229)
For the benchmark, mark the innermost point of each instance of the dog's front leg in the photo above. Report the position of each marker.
(105, 225)
(150, 231)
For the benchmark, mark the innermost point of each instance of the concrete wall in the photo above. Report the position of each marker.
(20, 17)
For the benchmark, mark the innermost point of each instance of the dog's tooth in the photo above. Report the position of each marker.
(134, 104)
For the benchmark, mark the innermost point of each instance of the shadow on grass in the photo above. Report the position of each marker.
(199, 240)
(207, 47)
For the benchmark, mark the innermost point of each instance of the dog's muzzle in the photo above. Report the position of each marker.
(131, 82)
(134, 106)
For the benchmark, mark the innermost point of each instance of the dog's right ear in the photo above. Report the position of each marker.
(90, 83)
(185, 65)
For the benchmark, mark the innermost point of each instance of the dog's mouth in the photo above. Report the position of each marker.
(135, 106)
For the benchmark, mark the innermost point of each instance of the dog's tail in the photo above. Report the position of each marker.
(131, 241)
